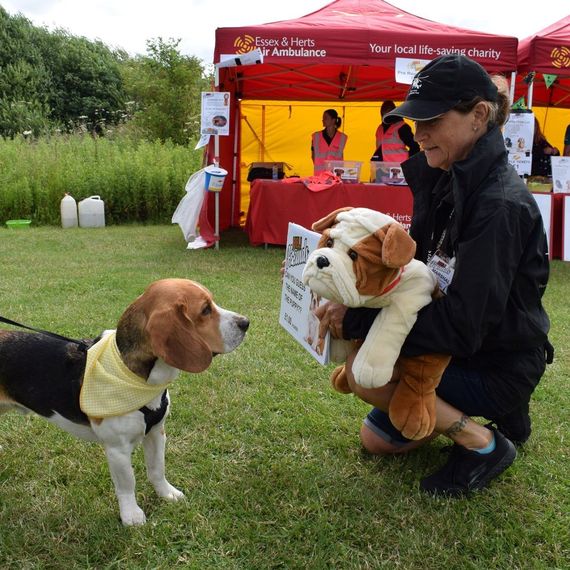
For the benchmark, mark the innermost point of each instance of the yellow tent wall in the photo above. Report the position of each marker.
(280, 131)
(553, 123)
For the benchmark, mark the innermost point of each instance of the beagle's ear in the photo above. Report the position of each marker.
(329, 220)
(174, 338)
(398, 248)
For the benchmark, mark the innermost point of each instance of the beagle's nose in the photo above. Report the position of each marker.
(322, 261)
(243, 324)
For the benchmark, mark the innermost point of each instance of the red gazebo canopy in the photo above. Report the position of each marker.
(547, 51)
(347, 51)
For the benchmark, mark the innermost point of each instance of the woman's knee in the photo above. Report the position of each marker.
(377, 445)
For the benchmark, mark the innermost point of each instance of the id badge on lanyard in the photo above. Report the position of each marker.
(443, 267)
(440, 264)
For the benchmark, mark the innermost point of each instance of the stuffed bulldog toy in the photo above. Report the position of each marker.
(366, 259)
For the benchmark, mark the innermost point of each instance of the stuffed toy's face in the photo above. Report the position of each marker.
(360, 253)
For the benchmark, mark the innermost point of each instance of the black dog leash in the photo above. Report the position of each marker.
(79, 343)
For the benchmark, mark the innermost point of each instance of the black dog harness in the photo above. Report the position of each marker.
(153, 417)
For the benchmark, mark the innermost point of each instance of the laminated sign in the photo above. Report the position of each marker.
(518, 133)
(297, 301)
(215, 119)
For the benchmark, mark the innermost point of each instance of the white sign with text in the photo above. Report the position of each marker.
(297, 300)
(560, 173)
(406, 68)
(215, 119)
(518, 133)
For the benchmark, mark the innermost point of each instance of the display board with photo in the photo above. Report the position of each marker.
(215, 119)
(518, 133)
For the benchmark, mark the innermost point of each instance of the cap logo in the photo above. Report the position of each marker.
(415, 88)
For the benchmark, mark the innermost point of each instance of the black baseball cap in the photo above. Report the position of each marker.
(441, 85)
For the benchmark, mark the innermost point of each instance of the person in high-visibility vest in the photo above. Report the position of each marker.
(329, 143)
(394, 142)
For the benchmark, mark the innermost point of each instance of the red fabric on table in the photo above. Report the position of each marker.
(273, 204)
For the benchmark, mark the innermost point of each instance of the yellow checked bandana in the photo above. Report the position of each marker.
(109, 387)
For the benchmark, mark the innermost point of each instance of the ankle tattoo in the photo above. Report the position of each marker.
(456, 427)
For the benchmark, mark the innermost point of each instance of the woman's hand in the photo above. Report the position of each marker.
(330, 317)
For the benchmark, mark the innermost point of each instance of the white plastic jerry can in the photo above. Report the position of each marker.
(92, 212)
(68, 211)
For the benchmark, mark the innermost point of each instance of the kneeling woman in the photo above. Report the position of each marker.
(472, 213)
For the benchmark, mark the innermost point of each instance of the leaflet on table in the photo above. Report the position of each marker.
(297, 300)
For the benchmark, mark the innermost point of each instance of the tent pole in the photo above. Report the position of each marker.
(263, 133)
(512, 87)
(234, 165)
(217, 194)
(530, 90)
(257, 138)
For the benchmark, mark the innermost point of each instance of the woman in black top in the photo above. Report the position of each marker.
(473, 213)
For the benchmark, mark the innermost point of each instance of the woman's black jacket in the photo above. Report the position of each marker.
(492, 317)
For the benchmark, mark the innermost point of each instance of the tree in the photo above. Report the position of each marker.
(166, 89)
(55, 79)
(86, 83)
(24, 80)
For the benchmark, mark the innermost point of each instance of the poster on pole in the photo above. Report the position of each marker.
(518, 133)
(215, 119)
(560, 174)
(297, 301)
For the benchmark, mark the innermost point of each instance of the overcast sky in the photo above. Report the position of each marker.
(129, 23)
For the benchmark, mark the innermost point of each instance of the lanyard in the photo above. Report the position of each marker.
(442, 237)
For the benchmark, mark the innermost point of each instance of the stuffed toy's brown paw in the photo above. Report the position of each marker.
(412, 407)
(339, 380)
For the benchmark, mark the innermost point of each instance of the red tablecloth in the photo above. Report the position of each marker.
(273, 204)
(557, 235)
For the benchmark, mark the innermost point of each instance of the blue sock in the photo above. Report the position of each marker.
(489, 449)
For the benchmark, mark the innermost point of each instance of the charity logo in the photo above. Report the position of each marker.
(560, 57)
(244, 44)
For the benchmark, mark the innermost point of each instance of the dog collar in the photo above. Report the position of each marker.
(391, 285)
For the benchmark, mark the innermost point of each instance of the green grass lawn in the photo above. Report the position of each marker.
(266, 452)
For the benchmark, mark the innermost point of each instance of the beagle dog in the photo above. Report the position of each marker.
(174, 325)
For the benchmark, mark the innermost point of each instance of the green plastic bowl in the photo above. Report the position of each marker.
(18, 224)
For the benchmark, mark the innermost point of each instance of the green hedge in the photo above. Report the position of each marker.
(138, 181)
